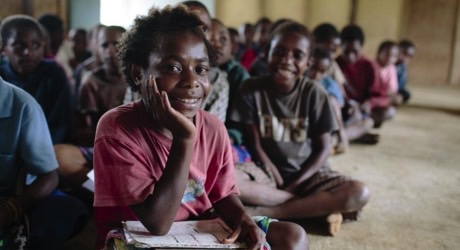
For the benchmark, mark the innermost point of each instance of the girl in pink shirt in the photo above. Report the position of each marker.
(162, 159)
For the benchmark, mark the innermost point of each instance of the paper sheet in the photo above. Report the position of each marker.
(184, 234)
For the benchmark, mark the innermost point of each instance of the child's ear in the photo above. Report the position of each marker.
(136, 74)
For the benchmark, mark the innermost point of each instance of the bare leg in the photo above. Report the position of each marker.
(348, 197)
(342, 143)
(358, 129)
(73, 167)
(286, 235)
(379, 115)
(254, 193)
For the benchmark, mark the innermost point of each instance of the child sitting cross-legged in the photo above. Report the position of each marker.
(289, 121)
(147, 152)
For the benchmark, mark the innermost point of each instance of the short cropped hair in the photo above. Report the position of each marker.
(233, 32)
(351, 33)
(405, 44)
(147, 33)
(261, 21)
(324, 32)
(386, 45)
(52, 23)
(10, 23)
(290, 27)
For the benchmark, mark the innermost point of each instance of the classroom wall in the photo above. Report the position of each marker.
(380, 20)
(35, 8)
(84, 13)
(331, 11)
(431, 24)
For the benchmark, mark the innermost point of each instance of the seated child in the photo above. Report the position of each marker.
(363, 77)
(261, 32)
(101, 90)
(33, 214)
(220, 41)
(248, 49)
(23, 42)
(235, 41)
(218, 98)
(320, 64)
(387, 55)
(406, 53)
(104, 88)
(162, 159)
(289, 121)
(90, 63)
(357, 126)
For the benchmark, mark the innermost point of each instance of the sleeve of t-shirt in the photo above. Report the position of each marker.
(86, 96)
(60, 117)
(122, 173)
(244, 108)
(321, 118)
(36, 147)
(221, 175)
(338, 74)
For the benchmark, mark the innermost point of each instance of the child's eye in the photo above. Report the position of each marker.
(223, 41)
(298, 55)
(172, 68)
(279, 52)
(36, 45)
(202, 70)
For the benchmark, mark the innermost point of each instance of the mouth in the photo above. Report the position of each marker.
(27, 64)
(285, 72)
(185, 100)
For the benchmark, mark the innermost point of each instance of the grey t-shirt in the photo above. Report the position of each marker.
(286, 122)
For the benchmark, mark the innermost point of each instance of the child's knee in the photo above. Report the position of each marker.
(287, 235)
(357, 195)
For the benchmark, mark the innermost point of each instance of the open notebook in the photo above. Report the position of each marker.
(205, 234)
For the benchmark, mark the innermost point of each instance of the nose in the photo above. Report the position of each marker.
(26, 51)
(214, 42)
(189, 79)
(288, 57)
(112, 49)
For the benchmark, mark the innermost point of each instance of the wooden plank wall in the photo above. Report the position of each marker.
(35, 8)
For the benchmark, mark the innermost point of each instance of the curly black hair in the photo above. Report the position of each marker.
(147, 33)
(405, 44)
(351, 33)
(11, 23)
(324, 32)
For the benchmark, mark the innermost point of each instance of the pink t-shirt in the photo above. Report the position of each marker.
(130, 156)
(389, 77)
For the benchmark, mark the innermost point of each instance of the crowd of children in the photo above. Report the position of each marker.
(182, 117)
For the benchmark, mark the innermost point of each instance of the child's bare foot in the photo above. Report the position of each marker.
(334, 221)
